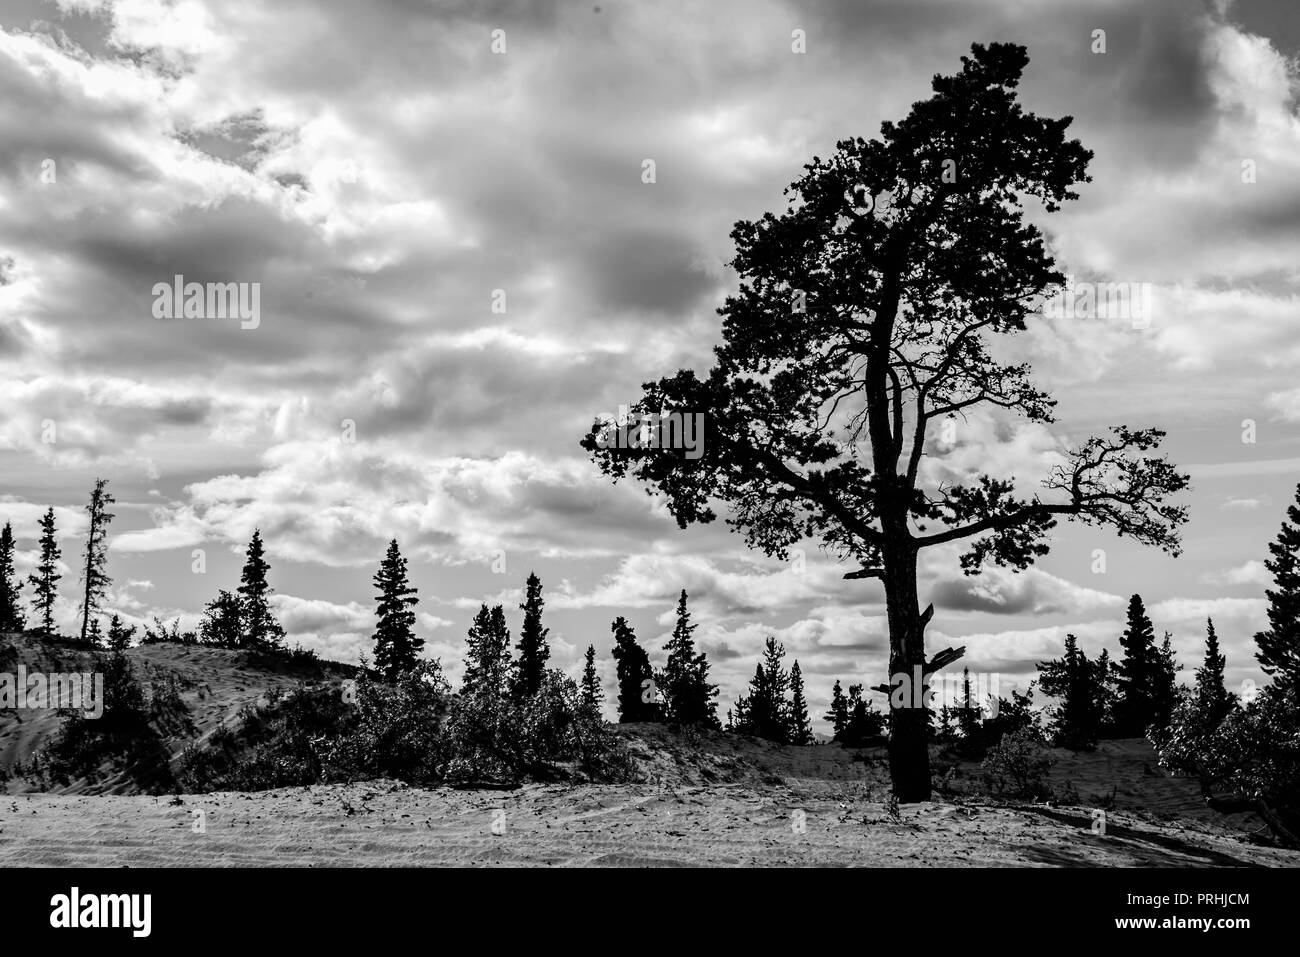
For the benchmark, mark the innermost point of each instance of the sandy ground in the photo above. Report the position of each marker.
(629, 826)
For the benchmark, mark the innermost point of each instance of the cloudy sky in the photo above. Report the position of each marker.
(382, 173)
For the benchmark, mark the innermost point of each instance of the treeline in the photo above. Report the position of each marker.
(240, 620)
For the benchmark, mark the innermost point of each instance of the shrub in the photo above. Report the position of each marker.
(121, 741)
(1018, 765)
(398, 731)
(1248, 762)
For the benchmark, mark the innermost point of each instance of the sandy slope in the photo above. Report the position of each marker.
(215, 685)
(640, 825)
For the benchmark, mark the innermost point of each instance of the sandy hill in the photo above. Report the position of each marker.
(214, 684)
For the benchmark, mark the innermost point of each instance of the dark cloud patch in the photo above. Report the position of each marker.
(645, 271)
(1275, 19)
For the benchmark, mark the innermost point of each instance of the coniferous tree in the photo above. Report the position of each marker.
(45, 579)
(487, 659)
(1279, 646)
(689, 698)
(1138, 672)
(904, 306)
(397, 649)
(635, 703)
(800, 728)
(533, 648)
(838, 715)
(1166, 693)
(1108, 706)
(222, 625)
(261, 630)
(592, 693)
(1072, 678)
(119, 635)
(865, 723)
(969, 716)
(766, 713)
(94, 634)
(1211, 692)
(95, 568)
(11, 613)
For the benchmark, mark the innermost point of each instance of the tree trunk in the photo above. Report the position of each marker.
(909, 752)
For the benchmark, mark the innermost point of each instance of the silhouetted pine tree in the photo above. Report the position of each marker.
(119, 636)
(487, 658)
(1279, 646)
(222, 625)
(634, 671)
(689, 698)
(397, 649)
(95, 573)
(592, 693)
(1138, 673)
(533, 649)
(1211, 692)
(261, 630)
(11, 613)
(800, 728)
(1072, 678)
(838, 715)
(45, 580)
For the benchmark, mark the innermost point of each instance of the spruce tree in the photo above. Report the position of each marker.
(1138, 672)
(222, 625)
(261, 630)
(119, 636)
(487, 658)
(95, 573)
(838, 715)
(1076, 721)
(1166, 693)
(1107, 696)
(865, 723)
(11, 613)
(397, 649)
(633, 671)
(533, 649)
(1279, 646)
(45, 579)
(1211, 691)
(969, 719)
(688, 695)
(592, 695)
(800, 728)
(766, 711)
